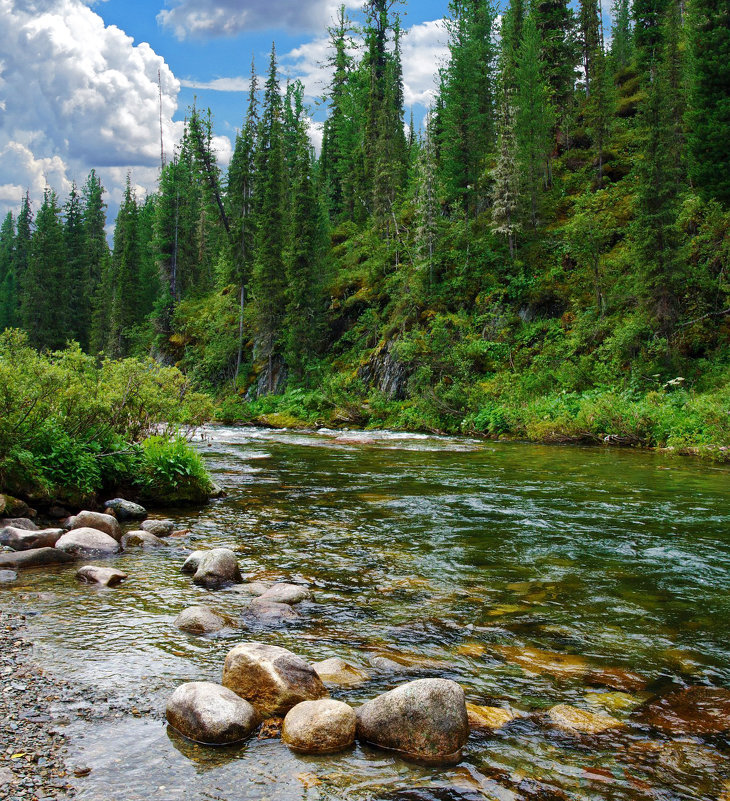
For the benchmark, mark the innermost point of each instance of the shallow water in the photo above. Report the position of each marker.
(478, 562)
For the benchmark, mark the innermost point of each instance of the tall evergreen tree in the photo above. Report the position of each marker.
(23, 238)
(44, 282)
(506, 181)
(558, 50)
(79, 300)
(269, 271)
(534, 118)
(590, 39)
(622, 39)
(709, 115)
(600, 109)
(8, 289)
(648, 20)
(95, 246)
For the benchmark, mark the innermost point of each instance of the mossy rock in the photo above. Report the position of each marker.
(282, 420)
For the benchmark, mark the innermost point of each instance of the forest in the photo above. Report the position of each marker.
(546, 257)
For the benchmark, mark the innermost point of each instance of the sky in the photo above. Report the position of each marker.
(79, 80)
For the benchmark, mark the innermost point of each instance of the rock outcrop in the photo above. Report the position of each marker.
(425, 720)
(319, 727)
(273, 679)
(210, 714)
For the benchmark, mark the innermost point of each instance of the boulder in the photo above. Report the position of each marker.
(572, 720)
(217, 568)
(286, 594)
(256, 588)
(19, 522)
(6, 576)
(160, 528)
(192, 563)
(271, 678)
(488, 717)
(425, 720)
(141, 539)
(38, 557)
(101, 522)
(319, 727)
(692, 711)
(267, 613)
(210, 714)
(20, 539)
(87, 542)
(103, 576)
(14, 507)
(200, 620)
(339, 673)
(126, 510)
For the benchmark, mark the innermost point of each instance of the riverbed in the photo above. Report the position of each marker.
(528, 574)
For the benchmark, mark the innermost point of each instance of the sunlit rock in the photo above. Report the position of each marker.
(19, 522)
(217, 568)
(192, 563)
(424, 720)
(269, 613)
(103, 576)
(337, 672)
(126, 510)
(692, 711)
(20, 539)
(271, 678)
(201, 620)
(319, 727)
(488, 717)
(572, 720)
(106, 523)
(286, 594)
(87, 542)
(160, 528)
(614, 703)
(210, 714)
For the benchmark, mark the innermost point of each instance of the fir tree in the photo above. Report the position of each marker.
(709, 114)
(590, 38)
(648, 20)
(95, 243)
(79, 301)
(427, 204)
(558, 49)
(622, 40)
(23, 237)
(600, 109)
(506, 182)
(8, 289)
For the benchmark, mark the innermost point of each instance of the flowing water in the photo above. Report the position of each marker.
(533, 576)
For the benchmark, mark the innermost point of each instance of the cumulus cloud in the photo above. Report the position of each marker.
(424, 52)
(77, 94)
(210, 19)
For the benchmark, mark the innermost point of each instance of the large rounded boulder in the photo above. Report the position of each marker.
(217, 568)
(160, 528)
(87, 542)
(210, 714)
(283, 593)
(319, 727)
(201, 620)
(273, 679)
(126, 510)
(141, 539)
(424, 720)
(20, 539)
(106, 523)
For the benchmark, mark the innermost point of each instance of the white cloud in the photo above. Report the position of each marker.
(219, 84)
(424, 52)
(77, 94)
(211, 19)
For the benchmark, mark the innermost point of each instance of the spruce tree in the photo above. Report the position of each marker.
(648, 20)
(506, 181)
(79, 300)
(709, 114)
(622, 40)
(44, 282)
(600, 109)
(95, 246)
(590, 39)
(269, 271)
(534, 118)
(558, 50)
(8, 289)
(23, 237)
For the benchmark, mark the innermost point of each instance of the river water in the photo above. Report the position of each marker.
(528, 574)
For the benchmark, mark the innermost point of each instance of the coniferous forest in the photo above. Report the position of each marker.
(546, 256)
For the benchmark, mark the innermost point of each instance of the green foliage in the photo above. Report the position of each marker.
(169, 470)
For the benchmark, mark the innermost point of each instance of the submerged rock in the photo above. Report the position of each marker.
(215, 569)
(20, 539)
(693, 711)
(572, 720)
(19, 522)
(254, 588)
(286, 594)
(425, 720)
(38, 557)
(141, 539)
(88, 542)
(338, 672)
(319, 727)
(126, 510)
(435, 794)
(201, 620)
(271, 678)
(488, 717)
(160, 528)
(106, 523)
(268, 613)
(103, 576)
(210, 714)
(535, 660)
(6, 576)
(618, 679)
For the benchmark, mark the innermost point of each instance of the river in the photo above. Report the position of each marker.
(520, 571)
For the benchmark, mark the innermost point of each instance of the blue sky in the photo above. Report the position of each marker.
(79, 90)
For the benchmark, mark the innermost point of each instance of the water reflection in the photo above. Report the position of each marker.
(533, 576)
